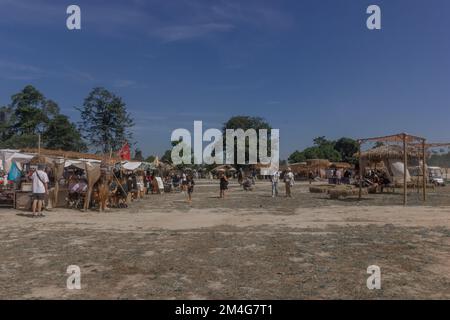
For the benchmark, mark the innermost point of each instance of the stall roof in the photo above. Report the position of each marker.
(7, 156)
(131, 165)
(393, 138)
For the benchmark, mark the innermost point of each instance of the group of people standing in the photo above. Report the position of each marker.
(288, 179)
(187, 185)
(247, 183)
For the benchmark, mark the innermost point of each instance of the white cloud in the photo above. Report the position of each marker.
(184, 32)
(124, 83)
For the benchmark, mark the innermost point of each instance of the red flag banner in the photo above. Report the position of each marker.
(124, 152)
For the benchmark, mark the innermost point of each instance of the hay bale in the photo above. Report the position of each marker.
(345, 191)
(337, 193)
(317, 190)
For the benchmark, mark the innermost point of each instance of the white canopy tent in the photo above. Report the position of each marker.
(131, 165)
(8, 156)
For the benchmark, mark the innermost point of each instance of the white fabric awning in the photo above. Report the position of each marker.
(131, 165)
(8, 156)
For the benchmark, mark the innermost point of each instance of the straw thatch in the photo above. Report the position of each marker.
(69, 154)
(225, 167)
(341, 165)
(323, 163)
(388, 152)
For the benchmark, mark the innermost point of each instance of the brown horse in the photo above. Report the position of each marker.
(101, 192)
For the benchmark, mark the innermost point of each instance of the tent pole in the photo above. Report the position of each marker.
(425, 174)
(405, 157)
(87, 199)
(39, 146)
(360, 171)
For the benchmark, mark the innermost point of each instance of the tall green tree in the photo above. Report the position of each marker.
(167, 157)
(30, 114)
(105, 122)
(297, 156)
(63, 134)
(347, 147)
(150, 158)
(340, 150)
(245, 123)
(138, 155)
(31, 111)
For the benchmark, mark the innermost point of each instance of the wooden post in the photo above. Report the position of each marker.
(87, 199)
(424, 171)
(39, 146)
(360, 171)
(405, 167)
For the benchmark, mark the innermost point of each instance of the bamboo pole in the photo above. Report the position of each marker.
(360, 171)
(87, 198)
(39, 146)
(425, 174)
(405, 162)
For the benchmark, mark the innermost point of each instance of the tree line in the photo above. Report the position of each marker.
(343, 149)
(104, 122)
(105, 125)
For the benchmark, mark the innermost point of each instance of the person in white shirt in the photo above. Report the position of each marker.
(338, 176)
(40, 189)
(275, 178)
(184, 183)
(289, 182)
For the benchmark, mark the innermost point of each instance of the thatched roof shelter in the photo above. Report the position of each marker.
(72, 154)
(411, 147)
(392, 152)
(322, 163)
(224, 167)
(341, 165)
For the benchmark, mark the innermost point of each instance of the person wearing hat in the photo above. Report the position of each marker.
(289, 182)
(40, 189)
(223, 183)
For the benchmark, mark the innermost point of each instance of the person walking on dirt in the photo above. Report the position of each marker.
(311, 177)
(190, 187)
(289, 182)
(40, 189)
(184, 183)
(275, 178)
(240, 176)
(223, 184)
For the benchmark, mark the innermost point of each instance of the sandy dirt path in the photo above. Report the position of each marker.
(248, 246)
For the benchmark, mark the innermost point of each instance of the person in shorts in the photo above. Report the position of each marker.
(184, 183)
(40, 189)
(288, 181)
(223, 184)
(190, 187)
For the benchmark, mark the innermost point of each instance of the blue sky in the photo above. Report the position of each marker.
(309, 67)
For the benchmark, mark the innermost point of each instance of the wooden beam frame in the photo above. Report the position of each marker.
(406, 139)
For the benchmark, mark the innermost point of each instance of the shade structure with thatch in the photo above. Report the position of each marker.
(318, 166)
(72, 154)
(392, 152)
(224, 167)
(412, 146)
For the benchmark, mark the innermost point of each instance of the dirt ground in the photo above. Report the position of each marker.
(247, 246)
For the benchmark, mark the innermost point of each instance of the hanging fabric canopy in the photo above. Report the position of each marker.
(8, 156)
(131, 165)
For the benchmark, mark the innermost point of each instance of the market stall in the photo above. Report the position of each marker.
(13, 181)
